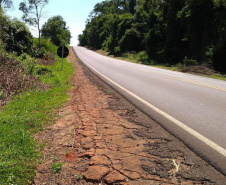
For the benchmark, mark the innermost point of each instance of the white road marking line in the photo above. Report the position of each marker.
(202, 138)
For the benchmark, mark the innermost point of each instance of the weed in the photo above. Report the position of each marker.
(143, 57)
(109, 92)
(11, 179)
(66, 151)
(41, 146)
(79, 177)
(56, 167)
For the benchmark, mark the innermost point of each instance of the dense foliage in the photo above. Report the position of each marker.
(5, 4)
(55, 29)
(15, 35)
(167, 31)
(20, 55)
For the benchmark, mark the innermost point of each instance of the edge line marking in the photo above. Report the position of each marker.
(202, 138)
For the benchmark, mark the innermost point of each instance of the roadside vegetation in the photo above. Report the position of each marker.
(32, 87)
(26, 114)
(203, 69)
(184, 35)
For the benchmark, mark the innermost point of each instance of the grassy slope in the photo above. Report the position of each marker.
(21, 118)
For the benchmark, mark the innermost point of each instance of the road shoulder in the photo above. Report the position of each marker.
(102, 138)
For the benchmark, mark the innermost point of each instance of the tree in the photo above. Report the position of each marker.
(219, 54)
(130, 41)
(167, 30)
(5, 4)
(219, 57)
(201, 27)
(174, 45)
(132, 4)
(55, 29)
(15, 35)
(33, 12)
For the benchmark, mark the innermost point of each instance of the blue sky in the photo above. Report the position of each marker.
(74, 12)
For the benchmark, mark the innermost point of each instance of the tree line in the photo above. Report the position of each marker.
(162, 31)
(15, 35)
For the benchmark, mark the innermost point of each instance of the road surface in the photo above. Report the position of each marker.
(193, 108)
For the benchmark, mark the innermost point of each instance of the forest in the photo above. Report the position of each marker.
(187, 32)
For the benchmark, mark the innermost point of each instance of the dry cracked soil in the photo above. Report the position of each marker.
(100, 138)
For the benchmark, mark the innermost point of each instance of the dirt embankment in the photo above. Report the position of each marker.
(102, 139)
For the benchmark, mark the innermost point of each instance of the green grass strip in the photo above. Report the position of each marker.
(26, 114)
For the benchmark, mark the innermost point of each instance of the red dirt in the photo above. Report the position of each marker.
(105, 140)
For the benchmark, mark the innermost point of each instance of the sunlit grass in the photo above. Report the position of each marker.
(26, 114)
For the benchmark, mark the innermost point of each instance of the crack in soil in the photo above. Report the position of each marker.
(106, 140)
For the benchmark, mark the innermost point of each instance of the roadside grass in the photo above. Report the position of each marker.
(21, 118)
(217, 76)
(56, 167)
(130, 57)
(47, 44)
(134, 57)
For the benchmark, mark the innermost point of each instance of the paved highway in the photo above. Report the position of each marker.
(191, 107)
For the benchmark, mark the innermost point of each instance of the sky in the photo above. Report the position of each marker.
(74, 12)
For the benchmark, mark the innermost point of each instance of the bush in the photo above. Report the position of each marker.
(15, 35)
(28, 62)
(38, 52)
(16, 76)
(189, 62)
(56, 167)
(209, 52)
(143, 57)
(117, 50)
(31, 66)
(49, 57)
(46, 44)
(41, 70)
(43, 56)
(2, 51)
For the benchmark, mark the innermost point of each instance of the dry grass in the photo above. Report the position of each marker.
(14, 79)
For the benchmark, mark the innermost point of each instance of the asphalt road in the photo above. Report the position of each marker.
(193, 108)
